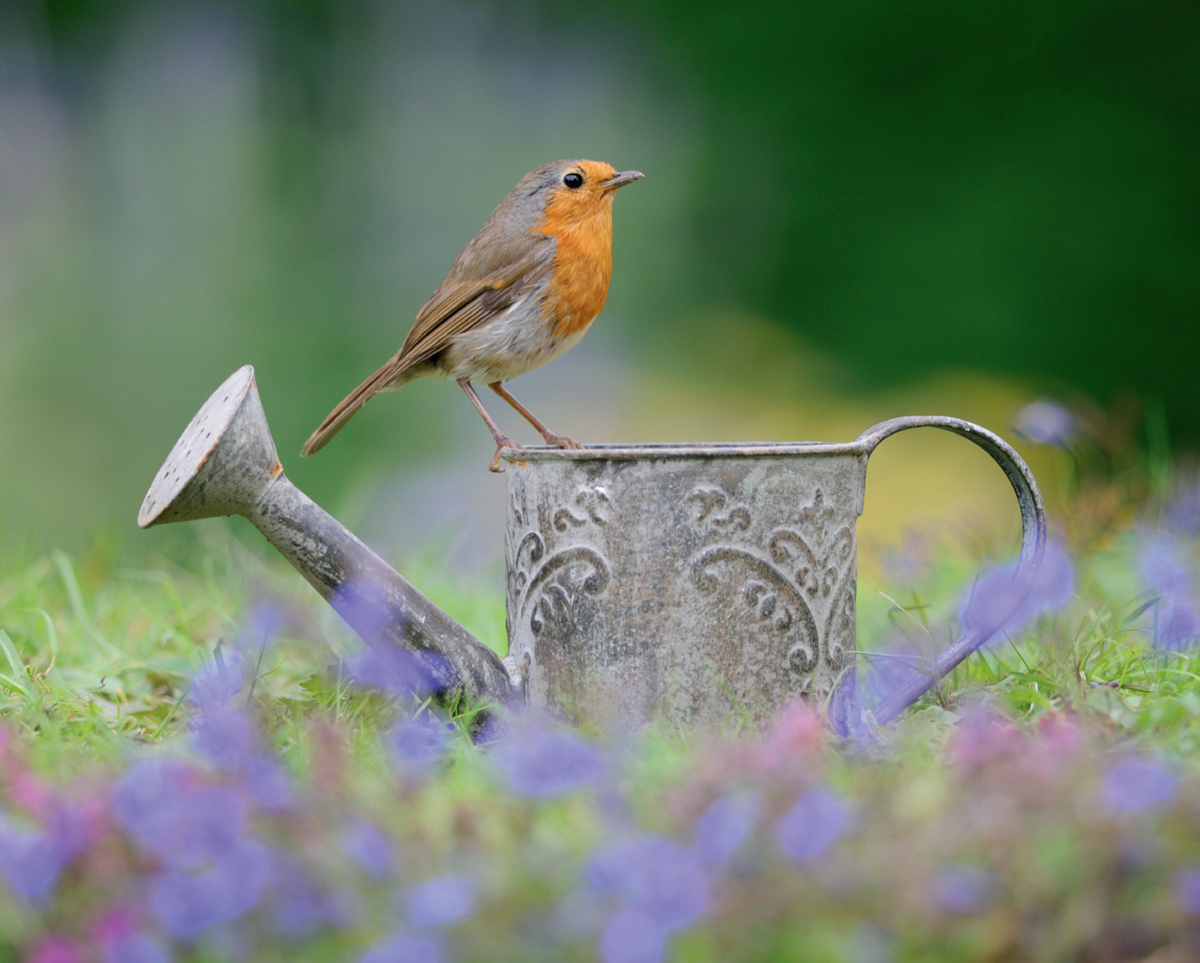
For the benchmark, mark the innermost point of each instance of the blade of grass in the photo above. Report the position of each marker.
(66, 572)
(51, 632)
(19, 678)
(170, 715)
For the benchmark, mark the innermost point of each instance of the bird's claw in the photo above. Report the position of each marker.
(502, 442)
(562, 441)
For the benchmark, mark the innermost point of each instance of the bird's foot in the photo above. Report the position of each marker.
(502, 442)
(561, 440)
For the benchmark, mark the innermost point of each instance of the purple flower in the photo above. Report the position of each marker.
(883, 674)
(262, 624)
(219, 683)
(723, 827)
(67, 825)
(962, 889)
(1178, 625)
(396, 672)
(54, 948)
(996, 602)
(1183, 514)
(405, 949)
(364, 606)
(144, 800)
(368, 846)
(440, 902)
(367, 608)
(136, 948)
(229, 888)
(1187, 890)
(223, 736)
(419, 743)
(544, 763)
(1135, 785)
(1166, 569)
(632, 937)
(264, 781)
(1045, 422)
(813, 825)
(1164, 566)
(655, 878)
(30, 861)
(299, 908)
(181, 821)
(226, 735)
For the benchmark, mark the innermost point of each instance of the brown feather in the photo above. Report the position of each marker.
(460, 306)
(454, 309)
(336, 419)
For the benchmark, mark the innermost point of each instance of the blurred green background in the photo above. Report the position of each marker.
(850, 211)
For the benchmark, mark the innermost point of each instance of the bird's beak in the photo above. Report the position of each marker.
(620, 179)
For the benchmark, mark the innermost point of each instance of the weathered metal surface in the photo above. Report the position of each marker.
(703, 582)
(225, 464)
(695, 582)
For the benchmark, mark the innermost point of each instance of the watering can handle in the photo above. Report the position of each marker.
(1033, 541)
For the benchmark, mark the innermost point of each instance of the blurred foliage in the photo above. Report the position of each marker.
(1010, 185)
(1008, 189)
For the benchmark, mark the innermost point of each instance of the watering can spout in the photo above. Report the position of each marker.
(225, 463)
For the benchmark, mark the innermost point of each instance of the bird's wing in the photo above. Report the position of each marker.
(457, 306)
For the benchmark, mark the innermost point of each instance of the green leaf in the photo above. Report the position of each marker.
(19, 678)
(1024, 694)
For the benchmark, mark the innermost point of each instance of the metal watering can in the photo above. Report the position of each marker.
(691, 582)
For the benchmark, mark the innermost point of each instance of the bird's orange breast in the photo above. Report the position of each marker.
(581, 225)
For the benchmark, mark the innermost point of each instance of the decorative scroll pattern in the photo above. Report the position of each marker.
(802, 571)
(593, 501)
(841, 626)
(550, 587)
(710, 502)
(771, 597)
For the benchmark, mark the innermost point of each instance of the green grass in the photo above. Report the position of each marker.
(95, 654)
(1096, 658)
(96, 660)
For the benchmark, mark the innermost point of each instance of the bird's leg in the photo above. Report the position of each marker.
(502, 440)
(551, 438)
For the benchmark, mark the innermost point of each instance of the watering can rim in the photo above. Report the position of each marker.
(659, 450)
(864, 444)
(190, 452)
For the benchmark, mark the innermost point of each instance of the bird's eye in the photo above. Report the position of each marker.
(573, 180)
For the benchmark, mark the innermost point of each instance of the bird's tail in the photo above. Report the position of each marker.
(387, 378)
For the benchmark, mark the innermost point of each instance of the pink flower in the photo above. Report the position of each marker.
(56, 949)
(983, 738)
(799, 732)
(115, 925)
(31, 793)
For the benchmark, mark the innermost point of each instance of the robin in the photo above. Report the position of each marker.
(524, 290)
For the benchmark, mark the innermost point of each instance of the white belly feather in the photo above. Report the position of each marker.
(507, 346)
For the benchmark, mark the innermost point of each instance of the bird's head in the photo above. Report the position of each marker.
(570, 191)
